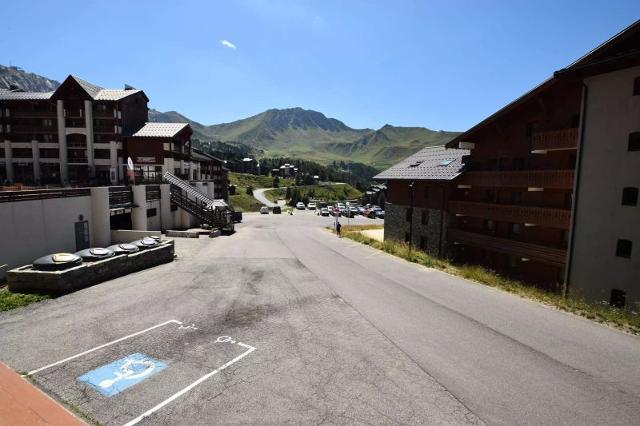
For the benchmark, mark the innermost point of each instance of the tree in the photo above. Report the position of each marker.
(276, 182)
(249, 190)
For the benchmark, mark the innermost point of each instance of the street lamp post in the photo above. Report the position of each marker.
(411, 192)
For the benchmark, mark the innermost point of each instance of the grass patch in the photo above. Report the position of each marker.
(256, 181)
(244, 202)
(623, 319)
(10, 300)
(329, 193)
(275, 194)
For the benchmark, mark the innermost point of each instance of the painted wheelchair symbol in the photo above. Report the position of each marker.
(225, 339)
(130, 370)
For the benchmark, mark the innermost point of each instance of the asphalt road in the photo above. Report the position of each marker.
(258, 194)
(342, 334)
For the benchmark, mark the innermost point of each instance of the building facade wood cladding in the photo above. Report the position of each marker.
(549, 255)
(552, 218)
(555, 140)
(551, 179)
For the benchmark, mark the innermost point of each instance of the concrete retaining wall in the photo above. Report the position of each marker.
(120, 236)
(28, 280)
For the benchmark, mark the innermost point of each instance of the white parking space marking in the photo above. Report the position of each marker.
(30, 373)
(221, 339)
(181, 326)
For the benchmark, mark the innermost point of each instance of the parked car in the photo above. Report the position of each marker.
(236, 216)
(336, 212)
(351, 212)
(300, 205)
(324, 211)
(361, 209)
(311, 206)
(380, 214)
(276, 210)
(264, 210)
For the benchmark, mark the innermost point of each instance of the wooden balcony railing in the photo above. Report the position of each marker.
(544, 254)
(551, 179)
(555, 140)
(552, 218)
(33, 114)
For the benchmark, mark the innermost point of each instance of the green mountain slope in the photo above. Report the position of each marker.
(291, 132)
(307, 134)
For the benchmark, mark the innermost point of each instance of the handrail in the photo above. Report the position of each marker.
(174, 180)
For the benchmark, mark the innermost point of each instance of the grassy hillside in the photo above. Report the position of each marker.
(329, 193)
(244, 180)
(310, 135)
(243, 201)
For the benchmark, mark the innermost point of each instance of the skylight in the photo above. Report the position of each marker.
(446, 162)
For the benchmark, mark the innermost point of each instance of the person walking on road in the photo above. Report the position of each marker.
(338, 227)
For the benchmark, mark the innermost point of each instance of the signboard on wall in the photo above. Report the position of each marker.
(145, 160)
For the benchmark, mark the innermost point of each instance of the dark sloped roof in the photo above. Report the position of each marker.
(90, 88)
(160, 130)
(432, 163)
(604, 49)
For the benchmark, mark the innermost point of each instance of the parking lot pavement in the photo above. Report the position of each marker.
(148, 344)
(342, 334)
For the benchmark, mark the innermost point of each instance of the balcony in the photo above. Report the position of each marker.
(33, 114)
(552, 218)
(108, 113)
(543, 254)
(548, 179)
(554, 140)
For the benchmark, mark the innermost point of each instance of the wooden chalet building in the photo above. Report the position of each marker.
(512, 207)
(82, 134)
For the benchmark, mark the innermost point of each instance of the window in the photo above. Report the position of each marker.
(490, 196)
(425, 217)
(47, 123)
(636, 86)
(152, 212)
(618, 298)
(174, 206)
(629, 196)
(634, 141)
(516, 198)
(489, 225)
(409, 215)
(518, 164)
(446, 162)
(515, 228)
(623, 248)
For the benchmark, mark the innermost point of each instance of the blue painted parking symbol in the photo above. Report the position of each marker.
(119, 375)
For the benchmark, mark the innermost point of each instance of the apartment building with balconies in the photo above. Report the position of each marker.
(70, 136)
(512, 205)
(549, 191)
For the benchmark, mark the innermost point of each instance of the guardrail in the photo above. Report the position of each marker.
(41, 194)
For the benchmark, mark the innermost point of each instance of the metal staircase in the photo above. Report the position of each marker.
(215, 213)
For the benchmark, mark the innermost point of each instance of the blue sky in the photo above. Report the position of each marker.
(439, 64)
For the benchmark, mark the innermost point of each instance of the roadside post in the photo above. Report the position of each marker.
(348, 204)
